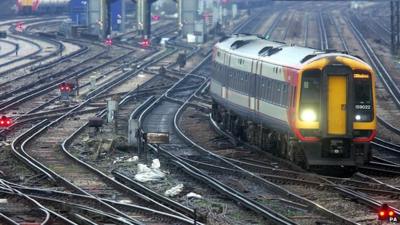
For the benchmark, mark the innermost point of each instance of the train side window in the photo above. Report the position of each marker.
(285, 95)
(262, 88)
(236, 74)
(280, 87)
(242, 82)
(277, 92)
(237, 80)
(216, 72)
(231, 79)
(268, 90)
(246, 83)
(273, 92)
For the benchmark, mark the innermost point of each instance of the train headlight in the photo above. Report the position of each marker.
(358, 117)
(308, 115)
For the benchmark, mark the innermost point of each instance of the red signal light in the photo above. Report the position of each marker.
(385, 212)
(65, 87)
(108, 42)
(62, 87)
(382, 214)
(145, 43)
(5, 121)
(20, 26)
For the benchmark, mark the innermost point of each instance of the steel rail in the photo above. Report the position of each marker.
(44, 193)
(27, 37)
(95, 94)
(9, 52)
(322, 32)
(382, 73)
(45, 210)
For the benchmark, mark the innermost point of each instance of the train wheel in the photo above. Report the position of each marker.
(300, 158)
(273, 143)
(291, 151)
(283, 145)
(242, 133)
(237, 127)
(296, 154)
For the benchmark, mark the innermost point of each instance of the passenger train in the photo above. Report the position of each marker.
(316, 108)
(41, 6)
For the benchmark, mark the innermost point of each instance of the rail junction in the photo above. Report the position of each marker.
(108, 113)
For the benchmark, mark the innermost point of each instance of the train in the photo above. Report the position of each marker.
(41, 6)
(313, 107)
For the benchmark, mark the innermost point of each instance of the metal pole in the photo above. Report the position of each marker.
(397, 27)
(392, 29)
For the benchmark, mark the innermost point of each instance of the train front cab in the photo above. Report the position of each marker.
(335, 112)
(26, 7)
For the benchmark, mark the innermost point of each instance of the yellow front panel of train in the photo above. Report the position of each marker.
(26, 2)
(337, 91)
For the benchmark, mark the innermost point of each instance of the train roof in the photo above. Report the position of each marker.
(252, 46)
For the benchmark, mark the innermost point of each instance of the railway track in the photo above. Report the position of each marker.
(18, 208)
(9, 50)
(381, 71)
(386, 80)
(41, 44)
(367, 201)
(43, 169)
(169, 107)
(183, 146)
(382, 167)
(323, 32)
(100, 186)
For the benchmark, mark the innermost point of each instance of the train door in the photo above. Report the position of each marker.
(336, 105)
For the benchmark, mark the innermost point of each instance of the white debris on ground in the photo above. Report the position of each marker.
(174, 190)
(145, 174)
(193, 195)
(156, 164)
(124, 159)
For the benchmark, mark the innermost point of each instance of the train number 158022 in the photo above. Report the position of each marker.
(364, 107)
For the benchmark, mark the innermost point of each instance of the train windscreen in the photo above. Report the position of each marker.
(310, 99)
(363, 105)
